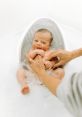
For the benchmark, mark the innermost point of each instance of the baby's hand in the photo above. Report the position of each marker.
(33, 53)
(39, 52)
(28, 57)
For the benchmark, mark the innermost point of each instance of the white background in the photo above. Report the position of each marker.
(15, 15)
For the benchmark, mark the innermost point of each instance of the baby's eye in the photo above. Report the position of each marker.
(43, 42)
(36, 40)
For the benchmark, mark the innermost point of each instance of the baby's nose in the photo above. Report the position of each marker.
(39, 43)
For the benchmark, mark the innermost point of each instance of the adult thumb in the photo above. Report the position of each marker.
(57, 64)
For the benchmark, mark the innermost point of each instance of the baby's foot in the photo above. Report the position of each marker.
(25, 90)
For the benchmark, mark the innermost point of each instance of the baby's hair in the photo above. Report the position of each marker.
(46, 30)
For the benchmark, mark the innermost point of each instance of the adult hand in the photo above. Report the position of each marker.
(62, 55)
(37, 65)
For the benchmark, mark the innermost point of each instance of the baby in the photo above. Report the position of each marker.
(40, 48)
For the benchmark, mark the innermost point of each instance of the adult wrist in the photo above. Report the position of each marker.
(76, 53)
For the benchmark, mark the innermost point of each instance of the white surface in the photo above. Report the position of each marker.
(40, 102)
(16, 14)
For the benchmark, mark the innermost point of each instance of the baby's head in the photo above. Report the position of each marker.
(42, 39)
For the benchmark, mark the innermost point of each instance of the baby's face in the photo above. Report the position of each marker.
(42, 40)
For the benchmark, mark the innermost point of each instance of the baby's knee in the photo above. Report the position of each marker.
(20, 72)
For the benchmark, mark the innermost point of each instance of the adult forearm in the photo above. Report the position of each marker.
(75, 54)
(50, 82)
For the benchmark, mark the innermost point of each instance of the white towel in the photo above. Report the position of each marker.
(70, 93)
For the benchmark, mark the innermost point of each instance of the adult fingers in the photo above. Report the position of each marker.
(41, 63)
(38, 62)
(53, 55)
(58, 64)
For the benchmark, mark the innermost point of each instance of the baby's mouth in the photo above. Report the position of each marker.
(39, 48)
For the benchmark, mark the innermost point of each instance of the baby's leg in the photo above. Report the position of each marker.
(21, 76)
(59, 72)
